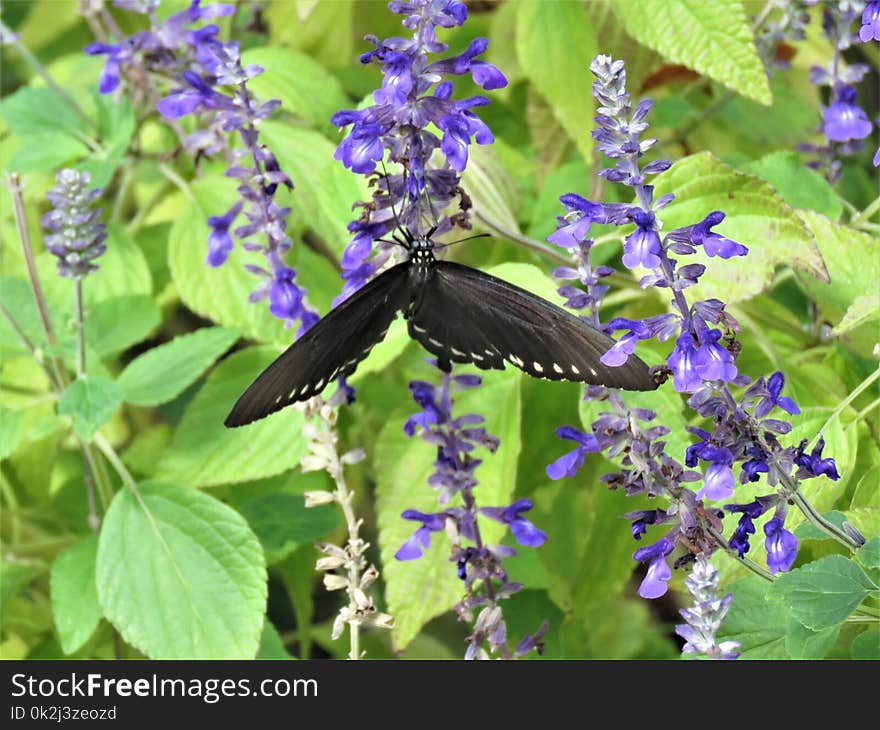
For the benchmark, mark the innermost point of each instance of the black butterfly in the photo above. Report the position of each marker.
(458, 314)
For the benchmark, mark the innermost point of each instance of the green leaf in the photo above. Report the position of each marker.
(181, 575)
(555, 43)
(16, 296)
(116, 118)
(803, 643)
(47, 151)
(492, 188)
(11, 430)
(419, 590)
(282, 522)
(809, 531)
(529, 277)
(14, 578)
(199, 284)
(303, 85)
(385, 353)
(867, 644)
(845, 251)
(756, 216)
(75, 595)
(715, 39)
(869, 553)
(123, 270)
(90, 402)
(825, 592)
(865, 308)
(31, 111)
(325, 190)
(205, 453)
(162, 373)
(799, 186)
(114, 325)
(757, 621)
(271, 645)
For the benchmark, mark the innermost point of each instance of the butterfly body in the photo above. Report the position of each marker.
(457, 313)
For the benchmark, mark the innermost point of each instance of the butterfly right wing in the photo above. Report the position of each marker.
(331, 348)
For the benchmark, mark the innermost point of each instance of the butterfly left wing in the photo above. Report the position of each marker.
(467, 316)
(330, 349)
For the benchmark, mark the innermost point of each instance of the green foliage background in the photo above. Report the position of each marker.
(216, 560)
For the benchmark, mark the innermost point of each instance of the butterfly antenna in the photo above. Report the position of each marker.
(462, 240)
(393, 211)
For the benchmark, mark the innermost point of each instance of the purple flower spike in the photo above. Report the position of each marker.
(421, 538)
(521, 528)
(845, 120)
(568, 465)
(654, 583)
(782, 545)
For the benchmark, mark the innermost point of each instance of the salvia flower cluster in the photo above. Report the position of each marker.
(345, 567)
(480, 566)
(76, 235)
(741, 439)
(415, 95)
(210, 82)
(844, 123)
(704, 617)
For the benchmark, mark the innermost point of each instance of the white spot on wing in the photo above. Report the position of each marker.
(557, 369)
(434, 342)
(538, 367)
(575, 370)
(477, 356)
(593, 371)
(419, 329)
(457, 353)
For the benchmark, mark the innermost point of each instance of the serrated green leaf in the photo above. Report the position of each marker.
(419, 590)
(756, 216)
(799, 186)
(46, 151)
(304, 87)
(864, 309)
(31, 111)
(555, 43)
(181, 575)
(325, 190)
(869, 553)
(282, 522)
(162, 373)
(205, 453)
(11, 430)
(199, 284)
(757, 621)
(853, 261)
(866, 645)
(715, 39)
(114, 325)
(825, 592)
(75, 595)
(803, 643)
(90, 402)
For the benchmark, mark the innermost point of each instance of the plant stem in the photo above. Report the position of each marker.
(522, 240)
(80, 328)
(867, 213)
(13, 182)
(820, 521)
(860, 388)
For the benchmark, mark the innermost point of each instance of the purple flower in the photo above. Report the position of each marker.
(523, 530)
(718, 482)
(484, 74)
(199, 95)
(682, 361)
(568, 465)
(116, 54)
(746, 526)
(640, 520)
(362, 148)
(844, 120)
(421, 538)
(714, 244)
(782, 545)
(812, 464)
(773, 399)
(713, 362)
(569, 235)
(654, 583)
(219, 241)
(285, 297)
(870, 30)
(643, 245)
